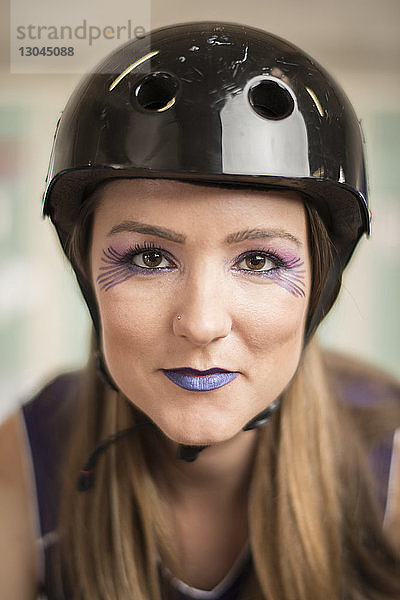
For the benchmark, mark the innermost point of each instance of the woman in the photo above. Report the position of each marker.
(207, 184)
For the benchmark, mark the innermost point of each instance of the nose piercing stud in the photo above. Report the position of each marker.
(179, 317)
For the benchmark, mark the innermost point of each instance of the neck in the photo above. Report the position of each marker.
(223, 469)
(202, 501)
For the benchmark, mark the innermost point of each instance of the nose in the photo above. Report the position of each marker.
(203, 314)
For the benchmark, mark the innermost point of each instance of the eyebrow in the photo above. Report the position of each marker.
(253, 234)
(137, 227)
(173, 236)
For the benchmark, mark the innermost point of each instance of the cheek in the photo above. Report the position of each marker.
(274, 334)
(274, 321)
(130, 326)
(275, 342)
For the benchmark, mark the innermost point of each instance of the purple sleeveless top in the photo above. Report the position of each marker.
(48, 419)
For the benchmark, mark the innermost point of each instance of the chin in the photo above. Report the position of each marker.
(195, 432)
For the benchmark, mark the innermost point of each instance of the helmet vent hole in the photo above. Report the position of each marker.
(271, 100)
(157, 91)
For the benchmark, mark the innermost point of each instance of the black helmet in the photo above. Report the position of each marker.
(213, 102)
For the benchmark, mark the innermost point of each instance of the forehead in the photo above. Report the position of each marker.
(207, 208)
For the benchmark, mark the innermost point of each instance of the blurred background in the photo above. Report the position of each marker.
(44, 326)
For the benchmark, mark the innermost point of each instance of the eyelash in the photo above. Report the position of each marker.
(139, 249)
(119, 267)
(277, 261)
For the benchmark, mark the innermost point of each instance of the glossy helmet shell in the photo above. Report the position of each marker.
(218, 103)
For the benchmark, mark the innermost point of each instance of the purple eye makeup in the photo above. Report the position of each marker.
(292, 278)
(287, 270)
(141, 259)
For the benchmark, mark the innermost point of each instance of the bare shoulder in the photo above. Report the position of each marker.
(18, 564)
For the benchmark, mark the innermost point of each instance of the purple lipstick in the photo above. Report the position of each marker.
(200, 381)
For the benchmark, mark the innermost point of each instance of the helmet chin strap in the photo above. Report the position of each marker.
(263, 417)
(188, 452)
(185, 452)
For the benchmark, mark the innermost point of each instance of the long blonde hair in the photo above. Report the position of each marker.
(314, 527)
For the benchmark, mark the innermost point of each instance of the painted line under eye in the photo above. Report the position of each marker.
(118, 266)
(290, 276)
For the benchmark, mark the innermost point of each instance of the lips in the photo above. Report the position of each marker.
(200, 381)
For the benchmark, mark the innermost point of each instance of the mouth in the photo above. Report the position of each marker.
(200, 381)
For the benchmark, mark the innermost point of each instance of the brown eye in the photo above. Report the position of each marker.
(258, 262)
(255, 262)
(152, 258)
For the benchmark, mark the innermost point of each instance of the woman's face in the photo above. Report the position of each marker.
(202, 295)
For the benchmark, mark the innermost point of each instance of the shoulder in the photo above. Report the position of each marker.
(48, 420)
(360, 383)
(49, 415)
(371, 398)
(365, 390)
(370, 395)
(18, 565)
(50, 412)
(31, 448)
(55, 400)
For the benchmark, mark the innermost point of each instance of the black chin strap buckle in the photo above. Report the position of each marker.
(185, 452)
(188, 453)
(263, 417)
